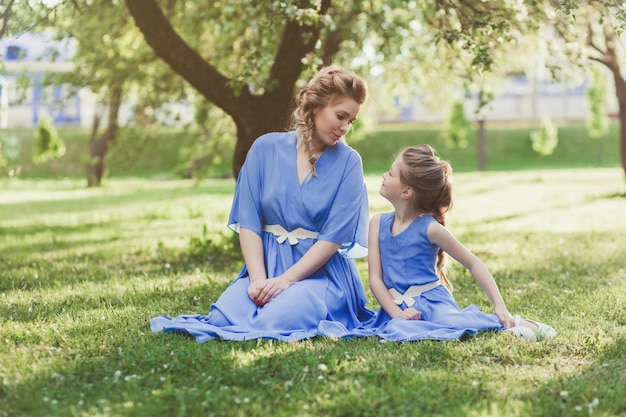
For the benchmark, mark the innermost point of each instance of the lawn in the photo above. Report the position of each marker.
(83, 271)
(165, 153)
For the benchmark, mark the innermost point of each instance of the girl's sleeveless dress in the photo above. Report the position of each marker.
(410, 259)
(334, 204)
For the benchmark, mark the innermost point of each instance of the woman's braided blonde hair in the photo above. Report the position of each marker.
(328, 84)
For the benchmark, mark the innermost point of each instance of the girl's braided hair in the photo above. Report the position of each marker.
(429, 177)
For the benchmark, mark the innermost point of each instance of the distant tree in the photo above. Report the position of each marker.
(545, 140)
(457, 127)
(113, 61)
(248, 58)
(598, 123)
(9, 154)
(591, 30)
(48, 143)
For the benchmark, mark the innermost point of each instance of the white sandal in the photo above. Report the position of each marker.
(544, 332)
(523, 332)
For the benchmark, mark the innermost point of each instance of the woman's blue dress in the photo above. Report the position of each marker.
(409, 258)
(334, 204)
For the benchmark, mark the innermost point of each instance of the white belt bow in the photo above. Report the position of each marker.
(411, 292)
(282, 234)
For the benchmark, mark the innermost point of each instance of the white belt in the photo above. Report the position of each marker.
(412, 291)
(293, 236)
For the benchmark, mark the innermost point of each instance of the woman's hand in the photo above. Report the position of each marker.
(255, 288)
(271, 288)
(411, 314)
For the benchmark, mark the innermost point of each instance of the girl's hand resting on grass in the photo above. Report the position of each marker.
(505, 317)
(411, 314)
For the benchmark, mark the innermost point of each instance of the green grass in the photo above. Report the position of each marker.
(508, 147)
(83, 271)
(163, 155)
(156, 155)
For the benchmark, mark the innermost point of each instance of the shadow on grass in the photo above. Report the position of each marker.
(534, 211)
(98, 236)
(616, 195)
(171, 375)
(128, 371)
(115, 366)
(594, 389)
(115, 199)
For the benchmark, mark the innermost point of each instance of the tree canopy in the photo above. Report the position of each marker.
(248, 58)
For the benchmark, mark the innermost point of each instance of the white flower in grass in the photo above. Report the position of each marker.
(578, 408)
(593, 404)
(117, 375)
(563, 394)
(322, 367)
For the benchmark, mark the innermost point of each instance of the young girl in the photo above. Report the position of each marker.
(406, 256)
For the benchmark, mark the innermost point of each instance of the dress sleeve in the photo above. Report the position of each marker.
(246, 208)
(348, 215)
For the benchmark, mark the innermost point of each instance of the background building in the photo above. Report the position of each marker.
(26, 59)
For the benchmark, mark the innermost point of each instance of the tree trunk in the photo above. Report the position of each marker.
(253, 114)
(252, 124)
(482, 144)
(620, 89)
(610, 59)
(622, 130)
(99, 145)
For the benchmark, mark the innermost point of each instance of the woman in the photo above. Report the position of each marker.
(301, 210)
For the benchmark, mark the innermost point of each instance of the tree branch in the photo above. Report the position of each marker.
(296, 42)
(185, 61)
(5, 18)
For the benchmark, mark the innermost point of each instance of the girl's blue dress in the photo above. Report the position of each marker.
(334, 203)
(410, 259)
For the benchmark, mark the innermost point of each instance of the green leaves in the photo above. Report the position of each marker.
(598, 122)
(457, 128)
(48, 143)
(546, 139)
